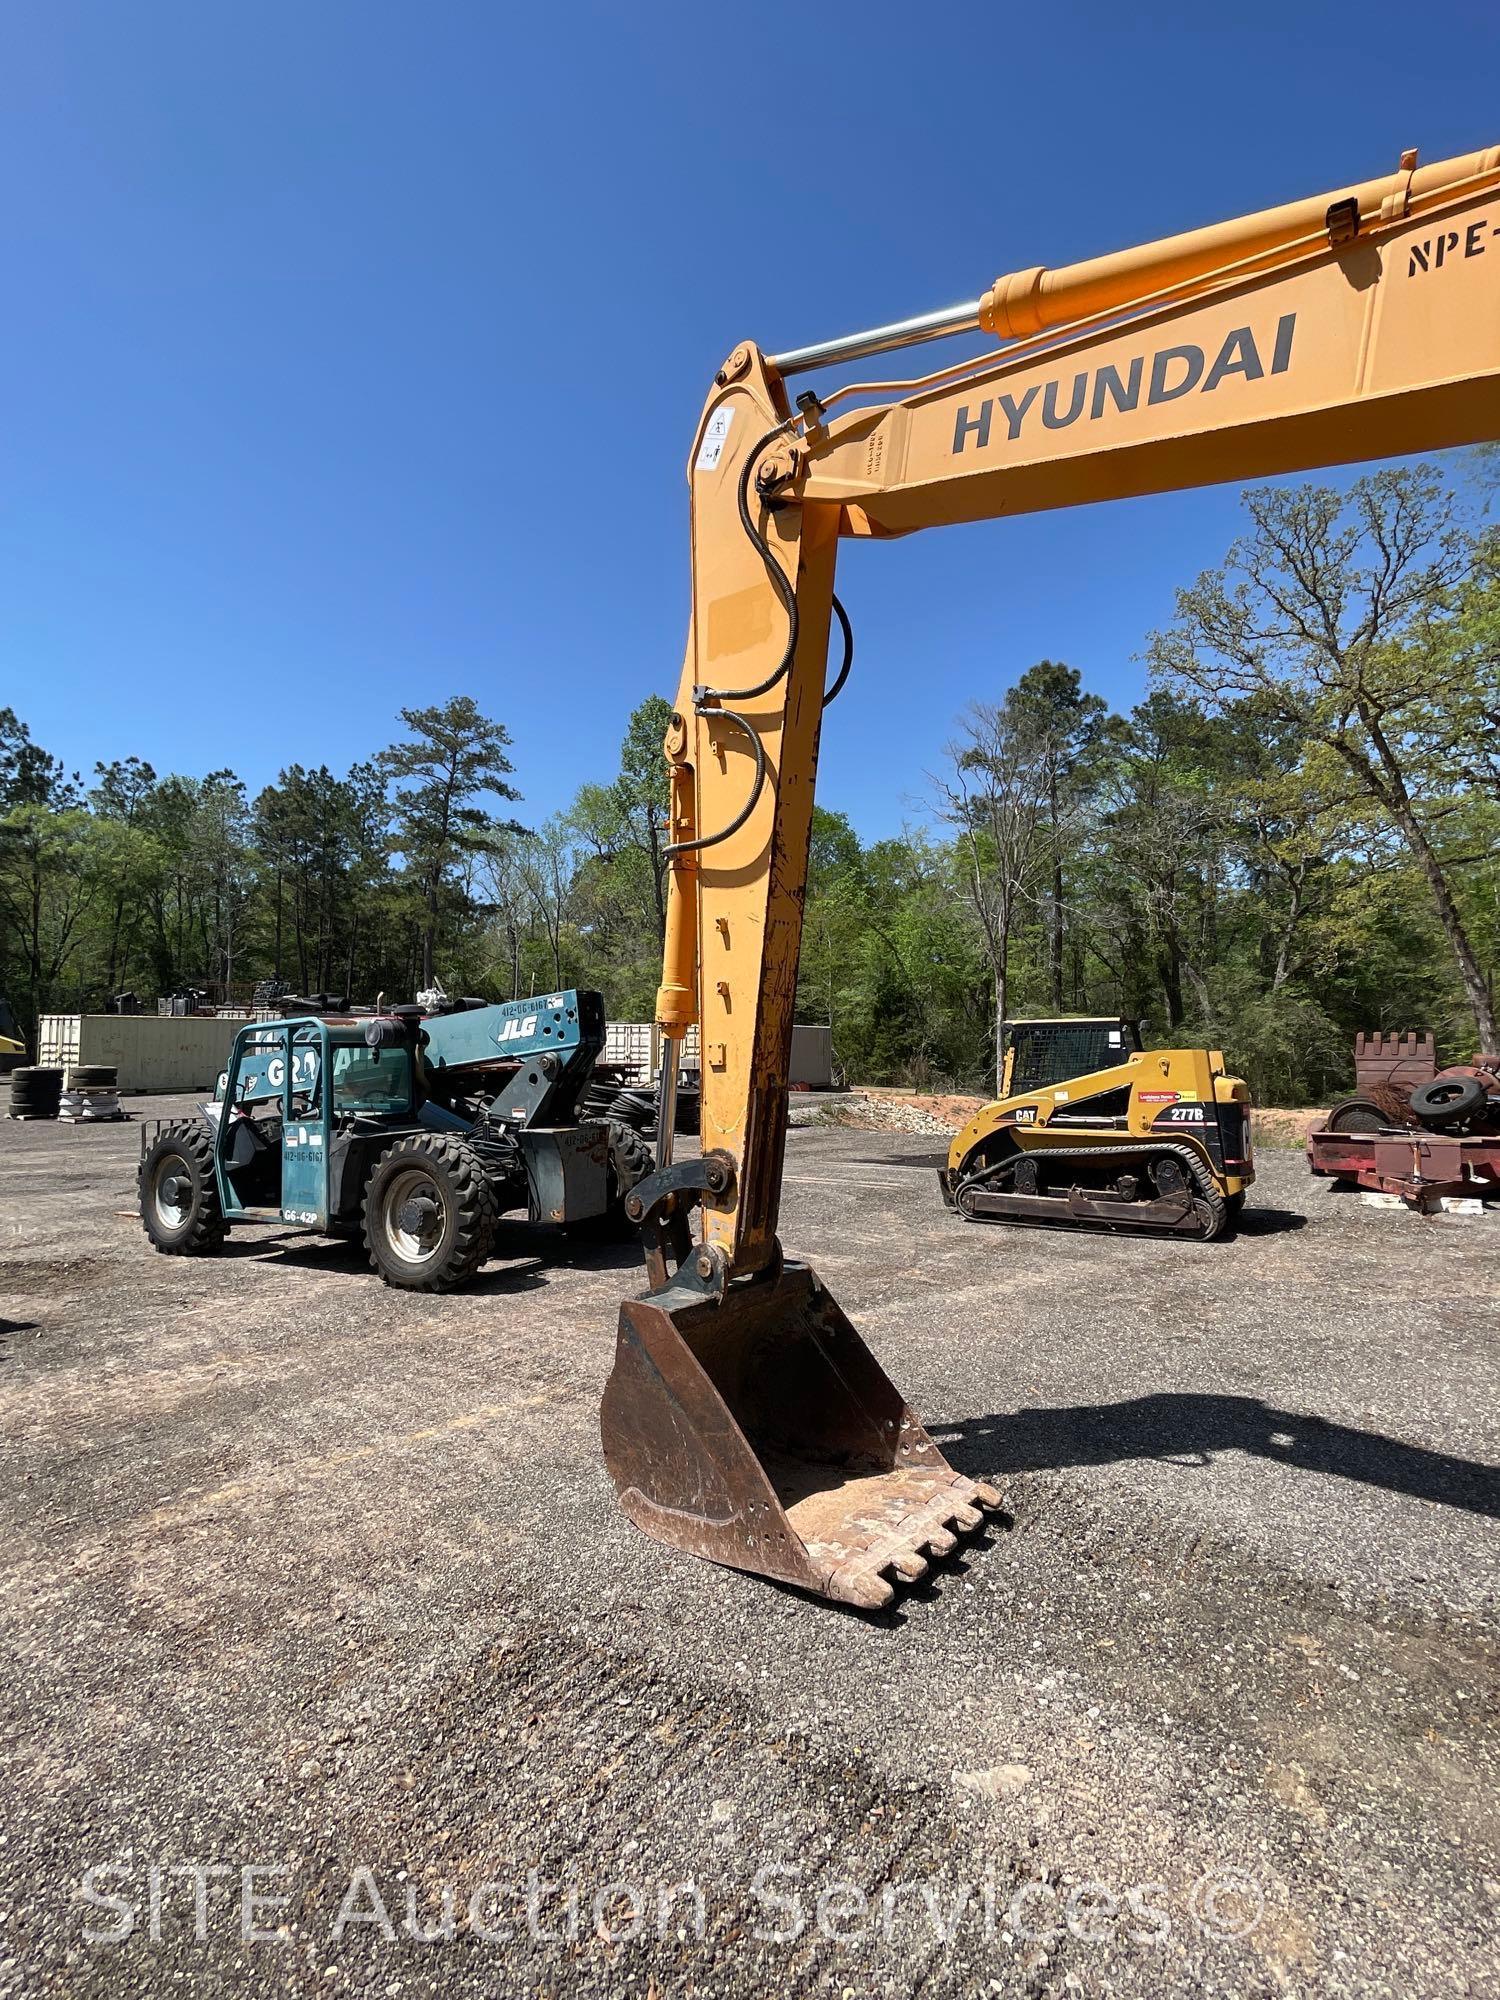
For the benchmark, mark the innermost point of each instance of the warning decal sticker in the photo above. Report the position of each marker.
(712, 448)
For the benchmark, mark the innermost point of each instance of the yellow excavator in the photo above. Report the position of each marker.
(745, 1420)
(12, 1047)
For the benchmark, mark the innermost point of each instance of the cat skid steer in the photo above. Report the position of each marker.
(746, 1419)
(1091, 1131)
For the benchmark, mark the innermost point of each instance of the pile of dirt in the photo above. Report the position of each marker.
(1284, 1128)
(890, 1111)
(882, 1110)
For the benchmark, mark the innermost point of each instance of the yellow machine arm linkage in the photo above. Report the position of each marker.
(745, 1419)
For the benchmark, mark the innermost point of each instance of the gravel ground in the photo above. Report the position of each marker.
(313, 1578)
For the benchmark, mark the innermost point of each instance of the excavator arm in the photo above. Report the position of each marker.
(745, 1419)
(1345, 328)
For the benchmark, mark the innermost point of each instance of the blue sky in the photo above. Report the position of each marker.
(351, 352)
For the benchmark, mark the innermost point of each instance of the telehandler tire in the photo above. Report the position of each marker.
(179, 1196)
(430, 1213)
(631, 1158)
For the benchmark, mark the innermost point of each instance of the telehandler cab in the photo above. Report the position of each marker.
(745, 1419)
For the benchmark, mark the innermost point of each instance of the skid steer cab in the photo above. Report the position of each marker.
(415, 1131)
(1095, 1132)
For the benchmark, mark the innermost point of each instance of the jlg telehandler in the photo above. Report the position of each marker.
(745, 1419)
(416, 1129)
(1092, 1131)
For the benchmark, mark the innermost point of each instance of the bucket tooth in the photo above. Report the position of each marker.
(863, 1588)
(968, 1518)
(988, 1496)
(759, 1431)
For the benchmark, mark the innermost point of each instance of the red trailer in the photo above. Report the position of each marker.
(1412, 1129)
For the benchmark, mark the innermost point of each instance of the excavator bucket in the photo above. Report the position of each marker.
(758, 1430)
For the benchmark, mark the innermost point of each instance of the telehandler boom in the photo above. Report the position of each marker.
(745, 1420)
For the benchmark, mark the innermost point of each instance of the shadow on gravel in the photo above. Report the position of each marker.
(1189, 1430)
(1253, 1221)
(525, 1274)
(522, 1256)
(1268, 1221)
(945, 1576)
(579, 1253)
(331, 1253)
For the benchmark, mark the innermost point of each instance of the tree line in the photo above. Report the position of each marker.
(320, 883)
(1291, 837)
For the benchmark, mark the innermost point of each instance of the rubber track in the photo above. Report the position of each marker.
(1203, 1187)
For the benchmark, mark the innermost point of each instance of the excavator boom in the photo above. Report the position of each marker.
(745, 1419)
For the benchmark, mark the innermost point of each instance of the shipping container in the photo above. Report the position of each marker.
(636, 1045)
(156, 1052)
(812, 1058)
(632, 1045)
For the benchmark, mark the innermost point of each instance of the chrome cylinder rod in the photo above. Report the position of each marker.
(879, 339)
(666, 1102)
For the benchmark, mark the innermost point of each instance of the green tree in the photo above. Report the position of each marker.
(617, 893)
(30, 775)
(992, 795)
(624, 822)
(306, 831)
(1323, 615)
(1066, 727)
(455, 756)
(121, 795)
(54, 871)
(642, 793)
(548, 861)
(223, 877)
(1157, 858)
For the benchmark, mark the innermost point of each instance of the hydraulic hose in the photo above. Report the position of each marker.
(843, 673)
(784, 592)
(708, 700)
(774, 571)
(669, 854)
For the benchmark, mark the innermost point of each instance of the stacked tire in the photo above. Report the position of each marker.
(1450, 1101)
(35, 1091)
(93, 1094)
(635, 1105)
